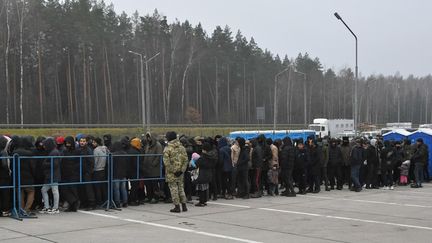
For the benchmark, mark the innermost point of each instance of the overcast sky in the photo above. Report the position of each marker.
(394, 35)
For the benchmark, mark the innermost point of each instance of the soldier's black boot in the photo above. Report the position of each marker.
(176, 209)
(184, 208)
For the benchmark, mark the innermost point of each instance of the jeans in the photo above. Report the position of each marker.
(56, 195)
(418, 172)
(355, 175)
(119, 188)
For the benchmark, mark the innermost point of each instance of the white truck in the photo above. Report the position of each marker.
(331, 127)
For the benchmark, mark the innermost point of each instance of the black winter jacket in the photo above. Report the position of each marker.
(257, 156)
(301, 159)
(243, 160)
(70, 165)
(287, 157)
(334, 156)
(206, 163)
(50, 146)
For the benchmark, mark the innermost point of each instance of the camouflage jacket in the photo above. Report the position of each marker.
(175, 160)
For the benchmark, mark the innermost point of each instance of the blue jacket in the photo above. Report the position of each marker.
(225, 155)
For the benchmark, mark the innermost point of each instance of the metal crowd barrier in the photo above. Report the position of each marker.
(19, 213)
(14, 211)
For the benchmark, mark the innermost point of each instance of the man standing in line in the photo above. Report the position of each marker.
(419, 159)
(356, 161)
(176, 162)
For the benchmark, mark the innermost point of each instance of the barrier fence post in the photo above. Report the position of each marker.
(80, 169)
(107, 203)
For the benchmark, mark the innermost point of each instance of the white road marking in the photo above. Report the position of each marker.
(228, 204)
(171, 227)
(334, 217)
(347, 218)
(371, 201)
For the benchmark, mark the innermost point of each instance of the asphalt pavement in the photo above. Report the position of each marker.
(401, 215)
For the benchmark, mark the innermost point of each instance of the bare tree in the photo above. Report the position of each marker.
(21, 16)
(7, 62)
(188, 64)
(175, 39)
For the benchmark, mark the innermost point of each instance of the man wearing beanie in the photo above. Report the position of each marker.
(176, 162)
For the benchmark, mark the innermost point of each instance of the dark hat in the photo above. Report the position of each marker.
(420, 140)
(171, 136)
(207, 146)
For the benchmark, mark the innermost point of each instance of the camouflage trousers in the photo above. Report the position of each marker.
(177, 191)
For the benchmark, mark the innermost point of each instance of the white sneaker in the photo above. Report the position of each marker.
(392, 188)
(54, 211)
(386, 188)
(45, 210)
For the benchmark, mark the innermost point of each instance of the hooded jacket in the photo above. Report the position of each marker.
(287, 155)
(70, 165)
(175, 160)
(243, 160)
(51, 148)
(39, 151)
(120, 161)
(27, 165)
(225, 155)
(151, 165)
(257, 155)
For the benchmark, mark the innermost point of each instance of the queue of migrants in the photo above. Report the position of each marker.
(180, 169)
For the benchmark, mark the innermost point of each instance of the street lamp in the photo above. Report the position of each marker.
(143, 105)
(356, 72)
(275, 97)
(148, 90)
(304, 97)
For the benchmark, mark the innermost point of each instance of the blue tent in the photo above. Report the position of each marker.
(426, 134)
(278, 134)
(396, 135)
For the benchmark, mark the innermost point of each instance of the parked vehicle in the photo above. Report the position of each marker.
(331, 127)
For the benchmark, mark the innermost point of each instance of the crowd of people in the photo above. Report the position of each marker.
(69, 173)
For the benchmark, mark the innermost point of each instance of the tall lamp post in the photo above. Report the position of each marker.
(356, 72)
(148, 90)
(275, 97)
(304, 97)
(143, 105)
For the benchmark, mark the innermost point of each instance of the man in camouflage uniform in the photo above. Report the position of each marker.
(175, 161)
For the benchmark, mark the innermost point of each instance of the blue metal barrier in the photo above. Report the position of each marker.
(12, 166)
(137, 167)
(17, 185)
